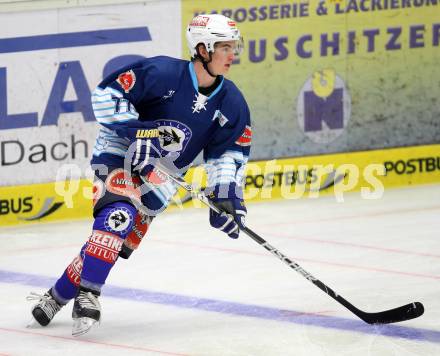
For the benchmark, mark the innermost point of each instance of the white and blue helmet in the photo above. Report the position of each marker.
(210, 29)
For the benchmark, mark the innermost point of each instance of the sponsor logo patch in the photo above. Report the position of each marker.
(123, 183)
(104, 246)
(144, 133)
(246, 137)
(157, 177)
(200, 21)
(138, 231)
(74, 270)
(118, 220)
(98, 190)
(127, 80)
(222, 119)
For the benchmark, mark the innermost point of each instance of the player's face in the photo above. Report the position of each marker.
(223, 56)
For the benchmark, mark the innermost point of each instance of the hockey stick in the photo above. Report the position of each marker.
(405, 312)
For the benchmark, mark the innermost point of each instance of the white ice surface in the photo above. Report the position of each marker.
(378, 254)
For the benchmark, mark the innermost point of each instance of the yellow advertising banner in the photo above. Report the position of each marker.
(328, 76)
(367, 173)
(45, 202)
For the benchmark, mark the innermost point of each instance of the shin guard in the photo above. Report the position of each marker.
(111, 226)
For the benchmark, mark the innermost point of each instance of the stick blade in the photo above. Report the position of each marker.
(405, 312)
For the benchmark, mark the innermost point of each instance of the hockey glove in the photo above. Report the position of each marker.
(145, 145)
(229, 200)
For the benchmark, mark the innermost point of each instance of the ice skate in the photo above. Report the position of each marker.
(86, 312)
(45, 309)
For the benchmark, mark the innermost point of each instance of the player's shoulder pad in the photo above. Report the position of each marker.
(157, 69)
(232, 93)
(166, 67)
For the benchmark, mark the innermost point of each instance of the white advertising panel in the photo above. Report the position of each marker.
(50, 61)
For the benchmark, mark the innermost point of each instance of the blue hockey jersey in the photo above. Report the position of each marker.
(165, 90)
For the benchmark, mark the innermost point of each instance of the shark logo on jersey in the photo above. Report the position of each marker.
(169, 137)
(173, 135)
(118, 220)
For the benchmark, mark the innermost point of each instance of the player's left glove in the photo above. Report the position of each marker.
(229, 199)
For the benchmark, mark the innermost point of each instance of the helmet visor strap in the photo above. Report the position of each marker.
(205, 65)
(205, 62)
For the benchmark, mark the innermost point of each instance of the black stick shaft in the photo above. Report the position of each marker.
(295, 266)
(405, 312)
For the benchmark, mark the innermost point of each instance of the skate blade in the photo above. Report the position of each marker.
(82, 326)
(33, 323)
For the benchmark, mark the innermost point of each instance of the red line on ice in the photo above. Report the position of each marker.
(65, 338)
(299, 259)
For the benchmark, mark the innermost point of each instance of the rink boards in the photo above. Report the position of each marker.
(341, 80)
(368, 173)
(315, 83)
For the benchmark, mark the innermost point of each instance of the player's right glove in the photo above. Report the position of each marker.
(229, 200)
(145, 145)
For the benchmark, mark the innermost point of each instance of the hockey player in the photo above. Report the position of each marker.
(164, 110)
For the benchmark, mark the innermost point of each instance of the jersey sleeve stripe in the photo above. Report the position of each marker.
(228, 168)
(108, 109)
